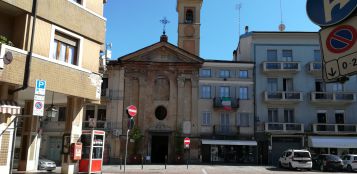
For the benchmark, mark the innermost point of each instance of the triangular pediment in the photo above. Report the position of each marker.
(162, 52)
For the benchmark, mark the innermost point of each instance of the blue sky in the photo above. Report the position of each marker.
(134, 24)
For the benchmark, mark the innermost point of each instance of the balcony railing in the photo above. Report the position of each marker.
(103, 125)
(283, 96)
(315, 66)
(229, 102)
(284, 127)
(334, 128)
(333, 97)
(281, 66)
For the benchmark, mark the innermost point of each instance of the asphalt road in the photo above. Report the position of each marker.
(194, 169)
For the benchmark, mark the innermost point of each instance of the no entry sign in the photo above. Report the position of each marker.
(341, 39)
(187, 141)
(132, 110)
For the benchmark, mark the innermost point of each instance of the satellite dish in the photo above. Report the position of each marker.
(281, 27)
(8, 58)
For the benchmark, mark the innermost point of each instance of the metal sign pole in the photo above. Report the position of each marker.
(126, 148)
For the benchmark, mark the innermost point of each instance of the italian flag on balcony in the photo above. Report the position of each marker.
(226, 103)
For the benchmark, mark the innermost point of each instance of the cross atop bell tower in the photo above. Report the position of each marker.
(189, 13)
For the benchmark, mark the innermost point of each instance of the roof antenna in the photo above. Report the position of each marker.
(281, 26)
(238, 7)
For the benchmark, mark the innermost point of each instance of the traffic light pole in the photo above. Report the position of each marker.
(126, 148)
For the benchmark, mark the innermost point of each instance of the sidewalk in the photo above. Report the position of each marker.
(109, 169)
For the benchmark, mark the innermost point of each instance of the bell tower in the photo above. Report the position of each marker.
(189, 14)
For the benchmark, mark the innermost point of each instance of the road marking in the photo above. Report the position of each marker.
(204, 171)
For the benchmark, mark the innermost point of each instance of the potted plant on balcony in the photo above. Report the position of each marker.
(179, 155)
(136, 136)
(4, 40)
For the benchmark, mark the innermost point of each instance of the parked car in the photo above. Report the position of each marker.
(349, 162)
(296, 159)
(46, 164)
(325, 162)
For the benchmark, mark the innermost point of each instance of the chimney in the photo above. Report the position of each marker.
(246, 29)
(163, 38)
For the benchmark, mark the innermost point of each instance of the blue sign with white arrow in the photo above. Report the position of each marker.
(329, 12)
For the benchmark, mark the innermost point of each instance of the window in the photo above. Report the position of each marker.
(339, 117)
(206, 118)
(272, 84)
(224, 73)
(160, 112)
(243, 120)
(102, 114)
(272, 55)
(89, 112)
(287, 55)
(243, 93)
(205, 73)
(337, 87)
(104, 87)
(189, 16)
(65, 48)
(273, 115)
(206, 91)
(243, 73)
(77, 1)
(224, 122)
(288, 84)
(62, 114)
(289, 116)
(317, 55)
(224, 91)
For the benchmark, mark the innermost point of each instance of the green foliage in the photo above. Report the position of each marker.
(4, 40)
(137, 136)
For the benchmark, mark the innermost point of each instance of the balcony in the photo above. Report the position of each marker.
(321, 128)
(226, 102)
(284, 128)
(69, 79)
(281, 67)
(333, 97)
(315, 68)
(283, 96)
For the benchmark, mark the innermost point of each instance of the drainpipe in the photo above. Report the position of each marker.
(29, 54)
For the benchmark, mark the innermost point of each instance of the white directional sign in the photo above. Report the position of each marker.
(339, 48)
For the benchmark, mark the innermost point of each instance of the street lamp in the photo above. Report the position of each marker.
(51, 111)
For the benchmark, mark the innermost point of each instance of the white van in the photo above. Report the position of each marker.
(296, 159)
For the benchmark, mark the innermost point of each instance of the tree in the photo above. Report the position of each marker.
(137, 136)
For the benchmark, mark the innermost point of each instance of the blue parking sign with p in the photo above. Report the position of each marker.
(40, 87)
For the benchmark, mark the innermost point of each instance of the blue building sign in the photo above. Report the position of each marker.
(329, 12)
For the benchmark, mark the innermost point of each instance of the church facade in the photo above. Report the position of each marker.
(167, 85)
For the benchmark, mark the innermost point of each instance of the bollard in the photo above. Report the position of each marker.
(120, 161)
(165, 161)
(142, 162)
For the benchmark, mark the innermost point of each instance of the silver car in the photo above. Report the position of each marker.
(46, 164)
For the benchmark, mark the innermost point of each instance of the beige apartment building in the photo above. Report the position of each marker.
(63, 40)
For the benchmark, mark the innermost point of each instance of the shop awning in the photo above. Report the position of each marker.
(9, 107)
(332, 142)
(230, 142)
